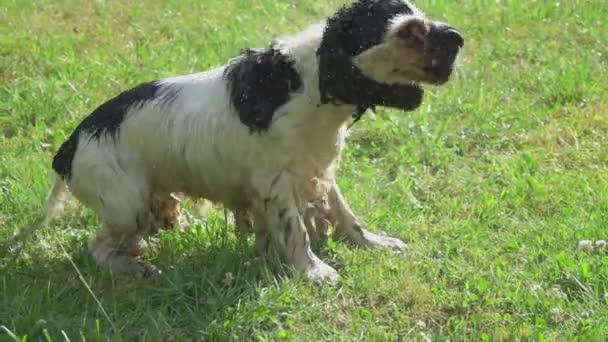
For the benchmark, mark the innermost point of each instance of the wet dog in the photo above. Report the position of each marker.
(262, 133)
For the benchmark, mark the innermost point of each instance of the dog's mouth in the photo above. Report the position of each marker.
(435, 75)
(435, 68)
(438, 74)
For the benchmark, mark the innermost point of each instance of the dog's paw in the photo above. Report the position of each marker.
(321, 273)
(380, 241)
(361, 237)
(366, 239)
(390, 242)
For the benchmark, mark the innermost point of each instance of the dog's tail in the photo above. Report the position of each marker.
(52, 208)
(55, 201)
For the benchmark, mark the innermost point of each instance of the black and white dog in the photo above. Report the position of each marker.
(262, 133)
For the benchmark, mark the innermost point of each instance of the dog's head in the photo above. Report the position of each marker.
(413, 49)
(374, 50)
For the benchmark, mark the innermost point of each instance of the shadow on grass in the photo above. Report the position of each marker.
(201, 280)
(206, 277)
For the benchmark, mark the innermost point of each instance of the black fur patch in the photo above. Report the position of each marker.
(106, 119)
(352, 30)
(259, 83)
(362, 25)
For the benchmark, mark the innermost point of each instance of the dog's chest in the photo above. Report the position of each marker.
(313, 144)
(317, 145)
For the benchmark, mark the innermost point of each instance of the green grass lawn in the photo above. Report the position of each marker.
(492, 182)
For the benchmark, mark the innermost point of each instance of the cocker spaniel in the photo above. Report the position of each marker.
(261, 134)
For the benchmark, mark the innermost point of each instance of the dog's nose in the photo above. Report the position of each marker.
(453, 38)
(446, 38)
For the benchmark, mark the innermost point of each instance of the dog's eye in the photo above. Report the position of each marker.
(413, 33)
(405, 35)
(412, 40)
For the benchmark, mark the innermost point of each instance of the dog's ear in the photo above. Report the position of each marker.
(414, 32)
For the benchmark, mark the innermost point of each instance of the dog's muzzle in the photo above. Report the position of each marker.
(446, 42)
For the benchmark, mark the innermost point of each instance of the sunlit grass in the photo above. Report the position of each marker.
(492, 181)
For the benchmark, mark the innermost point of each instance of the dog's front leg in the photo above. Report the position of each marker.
(288, 234)
(350, 228)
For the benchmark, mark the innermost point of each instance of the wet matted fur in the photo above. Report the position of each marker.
(263, 134)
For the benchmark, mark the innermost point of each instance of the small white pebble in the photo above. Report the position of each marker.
(557, 315)
(40, 323)
(558, 292)
(600, 244)
(228, 278)
(585, 245)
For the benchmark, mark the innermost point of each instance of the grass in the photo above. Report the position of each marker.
(492, 181)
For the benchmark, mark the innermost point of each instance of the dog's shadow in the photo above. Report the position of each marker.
(206, 273)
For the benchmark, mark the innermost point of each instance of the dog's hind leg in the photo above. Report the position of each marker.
(120, 253)
(350, 228)
(122, 201)
(118, 245)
